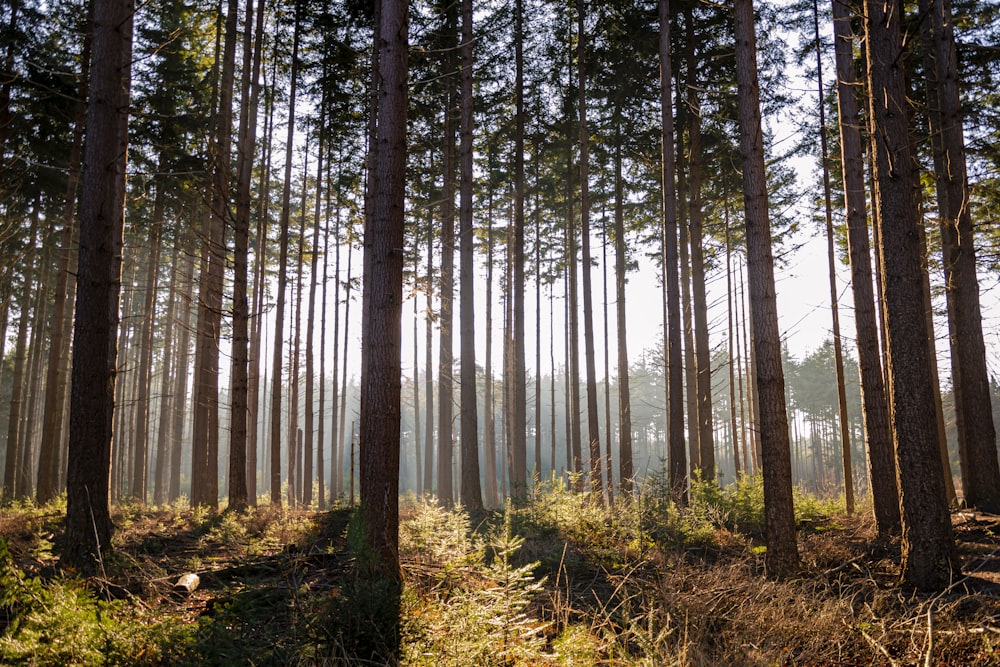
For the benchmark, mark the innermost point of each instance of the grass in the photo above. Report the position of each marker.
(556, 580)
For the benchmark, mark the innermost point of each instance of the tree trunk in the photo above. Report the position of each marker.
(703, 355)
(383, 286)
(782, 553)
(881, 466)
(845, 435)
(167, 369)
(310, 408)
(445, 489)
(490, 427)
(101, 211)
(593, 423)
(518, 414)
(140, 437)
(472, 497)
(205, 438)
(734, 431)
(279, 310)
(625, 472)
(53, 435)
(981, 477)
(428, 471)
(180, 378)
(15, 416)
(672, 336)
(929, 559)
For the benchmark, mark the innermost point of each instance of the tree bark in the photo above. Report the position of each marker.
(383, 286)
(881, 466)
(672, 336)
(445, 488)
(472, 496)
(625, 471)
(845, 435)
(279, 310)
(593, 422)
(519, 425)
(53, 434)
(981, 476)
(782, 553)
(88, 518)
(929, 559)
(15, 415)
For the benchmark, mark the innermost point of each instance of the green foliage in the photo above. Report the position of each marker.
(485, 619)
(61, 622)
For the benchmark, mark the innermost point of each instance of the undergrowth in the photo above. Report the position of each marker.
(557, 578)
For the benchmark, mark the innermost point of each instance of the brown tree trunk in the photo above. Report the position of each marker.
(180, 389)
(15, 415)
(881, 466)
(782, 553)
(703, 356)
(593, 420)
(929, 557)
(88, 520)
(732, 350)
(310, 408)
(243, 419)
(472, 496)
(981, 476)
(383, 286)
(625, 471)
(445, 488)
(672, 334)
(428, 471)
(845, 435)
(166, 403)
(140, 436)
(490, 427)
(518, 416)
(279, 310)
(53, 435)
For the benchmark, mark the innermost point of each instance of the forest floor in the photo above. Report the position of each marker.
(558, 580)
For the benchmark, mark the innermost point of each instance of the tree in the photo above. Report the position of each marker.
(472, 497)
(102, 200)
(981, 473)
(928, 548)
(518, 434)
(672, 311)
(383, 296)
(878, 438)
(279, 311)
(779, 517)
(593, 424)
